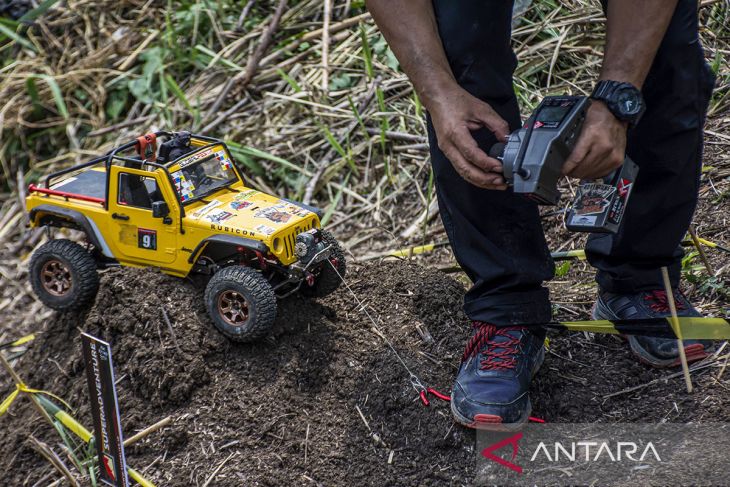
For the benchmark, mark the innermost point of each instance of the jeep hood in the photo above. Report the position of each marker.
(248, 212)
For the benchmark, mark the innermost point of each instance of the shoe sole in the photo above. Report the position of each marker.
(494, 422)
(491, 422)
(693, 352)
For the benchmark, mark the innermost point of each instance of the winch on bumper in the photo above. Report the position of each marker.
(320, 264)
(310, 248)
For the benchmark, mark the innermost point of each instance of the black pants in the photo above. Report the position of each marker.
(497, 236)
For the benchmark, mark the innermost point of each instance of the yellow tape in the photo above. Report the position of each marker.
(24, 340)
(707, 243)
(75, 427)
(8, 401)
(137, 477)
(595, 326)
(690, 327)
(5, 405)
(18, 342)
(79, 430)
(579, 254)
(703, 328)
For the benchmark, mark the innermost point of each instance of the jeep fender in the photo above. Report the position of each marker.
(230, 240)
(84, 224)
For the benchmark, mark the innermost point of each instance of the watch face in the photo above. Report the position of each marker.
(628, 101)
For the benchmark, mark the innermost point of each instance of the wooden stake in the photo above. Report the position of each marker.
(701, 250)
(677, 331)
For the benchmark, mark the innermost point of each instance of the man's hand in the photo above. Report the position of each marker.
(601, 146)
(455, 113)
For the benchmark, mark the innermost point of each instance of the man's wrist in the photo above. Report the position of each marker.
(607, 113)
(622, 76)
(435, 90)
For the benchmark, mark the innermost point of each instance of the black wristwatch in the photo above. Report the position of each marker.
(623, 99)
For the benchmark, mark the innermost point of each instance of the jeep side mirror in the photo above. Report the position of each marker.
(160, 209)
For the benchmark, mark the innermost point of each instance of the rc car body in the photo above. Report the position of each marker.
(185, 209)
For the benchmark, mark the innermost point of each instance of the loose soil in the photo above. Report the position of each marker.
(323, 400)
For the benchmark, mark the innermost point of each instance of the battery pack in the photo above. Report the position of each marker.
(599, 207)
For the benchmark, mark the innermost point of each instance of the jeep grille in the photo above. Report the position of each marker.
(290, 239)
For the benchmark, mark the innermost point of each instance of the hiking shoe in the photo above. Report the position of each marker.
(491, 388)
(654, 351)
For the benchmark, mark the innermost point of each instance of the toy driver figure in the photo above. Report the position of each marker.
(650, 102)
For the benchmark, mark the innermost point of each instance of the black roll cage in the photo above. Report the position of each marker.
(112, 156)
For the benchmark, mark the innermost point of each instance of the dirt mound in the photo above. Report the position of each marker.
(294, 407)
(269, 402)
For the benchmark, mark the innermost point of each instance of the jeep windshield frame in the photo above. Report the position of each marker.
(189, 172)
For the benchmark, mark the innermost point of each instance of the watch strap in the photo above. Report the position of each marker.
(604, 89)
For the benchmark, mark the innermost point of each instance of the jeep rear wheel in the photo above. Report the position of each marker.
(241, 303)
(326, 279)
(63, 275)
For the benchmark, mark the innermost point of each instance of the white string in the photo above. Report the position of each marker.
(415, 381)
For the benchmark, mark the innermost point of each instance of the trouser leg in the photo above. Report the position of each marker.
(496, 236)
(667, 146)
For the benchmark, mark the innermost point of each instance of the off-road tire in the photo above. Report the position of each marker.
(72, 260)
(326, 280)
(231, 283)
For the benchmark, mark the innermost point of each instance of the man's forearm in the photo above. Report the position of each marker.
(410, 28)
(634, 32)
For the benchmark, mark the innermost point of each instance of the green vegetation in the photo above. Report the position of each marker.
(65, 78)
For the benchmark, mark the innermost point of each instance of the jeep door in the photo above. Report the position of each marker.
(137, 235)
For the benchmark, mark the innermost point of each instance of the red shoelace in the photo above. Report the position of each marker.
(659, 301)
(497, 354)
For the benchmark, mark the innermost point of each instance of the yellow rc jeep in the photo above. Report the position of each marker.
(183, 208)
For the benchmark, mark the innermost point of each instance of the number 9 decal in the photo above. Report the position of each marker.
(146, 239)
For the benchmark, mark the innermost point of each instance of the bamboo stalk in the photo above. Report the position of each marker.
(701, 250)
(326, 45)
(245, 77)
(147, 431)
(677, 330)
(54, 460)
(18, 381)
